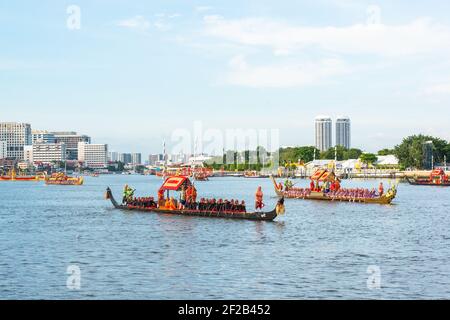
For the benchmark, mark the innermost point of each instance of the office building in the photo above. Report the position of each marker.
(42, 136)
(153, 159)
(3, 149)
(136, 158)
(125, 158)
(71, 140)
(93, 155)
(343, 132)
(16, 136)
(323, 128)
(113, 156)
(45, 152)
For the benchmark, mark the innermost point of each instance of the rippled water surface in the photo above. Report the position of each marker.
(317, 250)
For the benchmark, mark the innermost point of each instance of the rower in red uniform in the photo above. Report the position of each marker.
(194, 195)
(381, 189)
(161, 201)
(259, 199)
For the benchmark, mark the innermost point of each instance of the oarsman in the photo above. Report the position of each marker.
(259, 199)
(381, 189)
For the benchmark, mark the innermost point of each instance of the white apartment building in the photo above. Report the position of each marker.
(3, 148)
(93, 155)
(17, 136)
(113, 156)
(45, 152)
(343, 132)
(136, 158)
(323, 133)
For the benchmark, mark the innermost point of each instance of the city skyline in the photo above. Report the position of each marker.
(130, 71)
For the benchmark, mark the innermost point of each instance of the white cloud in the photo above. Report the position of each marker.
(283, 75)
(438, 89)
(421, 36)
(201, 9)
(137, 22)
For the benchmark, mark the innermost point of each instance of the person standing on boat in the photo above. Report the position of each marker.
(259, 199)
(161, 201)
(194, 195)
(183, 196)
(381, 189)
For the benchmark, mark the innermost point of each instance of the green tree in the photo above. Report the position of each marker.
(331, 153)
(352, 154)
(410, 152)
(368, 158)
(305, 154)
(386, 152)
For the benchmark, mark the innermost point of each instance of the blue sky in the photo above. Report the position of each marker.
(137, 70)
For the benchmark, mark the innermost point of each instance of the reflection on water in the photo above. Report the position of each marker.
(316, 250)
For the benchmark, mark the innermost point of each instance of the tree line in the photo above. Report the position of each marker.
(410, 153)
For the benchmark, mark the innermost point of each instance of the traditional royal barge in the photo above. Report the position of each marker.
(339, 195)
(177, 184)
(63, 180)
(437, 178)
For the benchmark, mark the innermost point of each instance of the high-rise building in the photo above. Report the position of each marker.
(428, 158)
(3, 149)
(45, 152)
(136, 158)
(113, 156)
(71, 139)
(39, 136)
(343, 132)
(323, 126)
(17, 136)
(93, 155)
(153, 159)
(125, 158)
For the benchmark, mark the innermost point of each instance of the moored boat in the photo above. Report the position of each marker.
(340, 195)
(12, 176)
(437, 178)
(253, 174)
(191, 209)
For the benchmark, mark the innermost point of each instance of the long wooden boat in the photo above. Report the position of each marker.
(13, 176)
(19, 178)
(424, 182)
(254, 175)
(256, 216)
(386, 198)
(63, 180)
(437, 178)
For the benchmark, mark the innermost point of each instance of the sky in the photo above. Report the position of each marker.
(131, 73)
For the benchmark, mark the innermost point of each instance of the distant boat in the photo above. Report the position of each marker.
(254, 174)
(437, 178)
(323, 176)
(64, 180)
(12, 176)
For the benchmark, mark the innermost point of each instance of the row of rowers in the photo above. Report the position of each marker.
(187, 198)
(210, 205)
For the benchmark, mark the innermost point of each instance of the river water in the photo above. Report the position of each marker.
(318, 250)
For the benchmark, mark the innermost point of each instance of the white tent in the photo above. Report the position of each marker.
(389, 160)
